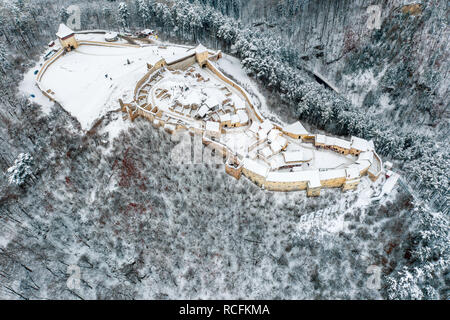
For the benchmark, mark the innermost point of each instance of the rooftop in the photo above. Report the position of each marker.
(64, 31)
(212, 126)
(360, 144)
(296, 128)
(293, 156)
(255, 167)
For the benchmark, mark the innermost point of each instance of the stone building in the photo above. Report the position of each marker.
(66, 37)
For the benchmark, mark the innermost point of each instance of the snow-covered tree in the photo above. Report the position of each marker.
(143, 9)
(4, 64)
(21, 170)
(124, 14)
(429, 260)
(64, 15)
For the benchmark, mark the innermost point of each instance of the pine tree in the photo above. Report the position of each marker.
(124, 14)
(21, 170)
(4, 64)
(143, 9)
(64, 15)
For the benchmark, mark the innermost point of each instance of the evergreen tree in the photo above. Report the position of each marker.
(124, 14)
(143, 11)
(21, 170)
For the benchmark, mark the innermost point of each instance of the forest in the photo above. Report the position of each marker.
(137, 228)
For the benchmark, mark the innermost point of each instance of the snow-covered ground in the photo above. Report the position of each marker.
(28, 89)
(89, 81)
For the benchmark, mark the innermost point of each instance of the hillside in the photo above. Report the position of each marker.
(84, 189)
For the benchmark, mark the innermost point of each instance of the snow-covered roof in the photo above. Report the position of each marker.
(278, 144)
(273, 134)
(297, 176)
(352, 172)
(198, 49)
(212, 126)
(147, 31)
(202, 111)
(111, 35)
(252, 154)
(196, 125)
(330, 141)
(276, 162)
(262, 134)
(363, 165)
(314, 181)
(293, 156)
(225, 117)
(266, 152)
(235, 119)
(296, 128)
(341, 143)
(276, 147)
(388, 165)
(64, 31)
(211, 102)
(360, 144)
(254, 127)
(266, 125)
(332, 174)
(320, 138)
(390, 183)
(179, 109)
(255, 167)
(282, 141)
(243, 117)
(307, 154)
(366, 155)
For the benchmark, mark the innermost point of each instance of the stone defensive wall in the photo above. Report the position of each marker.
(158, 65)
(106, 44)
(48, 63)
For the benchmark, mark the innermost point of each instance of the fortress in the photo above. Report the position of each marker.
(187, 92)
(269, 155)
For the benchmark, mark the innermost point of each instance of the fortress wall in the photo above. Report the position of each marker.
(333, 183)
(286, 186)
(48, 63)
(374, 175)
(158, 65)
(257, 179)
(183, 63)
(146, 115)
(350, 185)
(224, 150)
(106, 44)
